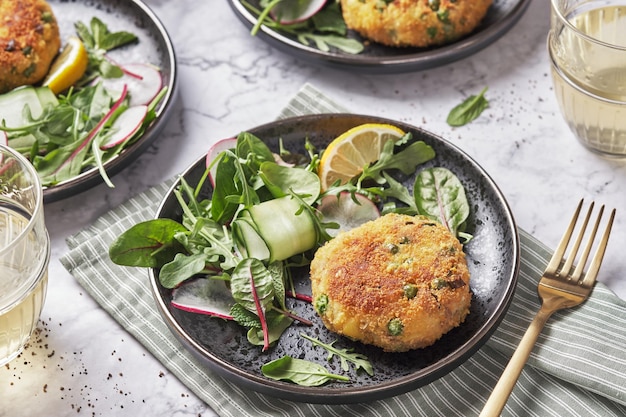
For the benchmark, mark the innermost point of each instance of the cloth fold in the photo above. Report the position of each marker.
(577, 368)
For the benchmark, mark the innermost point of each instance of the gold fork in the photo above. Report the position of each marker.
(561, 286)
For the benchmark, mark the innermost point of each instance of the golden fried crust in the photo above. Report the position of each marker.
(29, 41)
(367, 275)
(419, 23)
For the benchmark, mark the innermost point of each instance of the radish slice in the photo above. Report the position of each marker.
(214, 151)
(204, 296)
(144, 82)
(290, 12)
(125, 126)
(346, 212)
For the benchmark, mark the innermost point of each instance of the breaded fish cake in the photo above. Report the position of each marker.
(399, 282)
(419, 23)
(29, 41)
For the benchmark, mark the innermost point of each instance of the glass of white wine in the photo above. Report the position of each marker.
(24, 252)
(587, 47)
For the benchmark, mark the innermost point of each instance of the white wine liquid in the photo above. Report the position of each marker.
(22, 290)
(598, 118)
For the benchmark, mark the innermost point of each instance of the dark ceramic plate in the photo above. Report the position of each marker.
(493, 258)
(154, 47)
(376, 58)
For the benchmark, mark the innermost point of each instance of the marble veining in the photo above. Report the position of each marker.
(81, 362)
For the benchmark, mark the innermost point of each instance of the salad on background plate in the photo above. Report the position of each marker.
(105, 98)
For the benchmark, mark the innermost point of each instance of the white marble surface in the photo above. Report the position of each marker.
(83, 363)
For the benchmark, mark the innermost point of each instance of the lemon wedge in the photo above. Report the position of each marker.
(347, 155)
(68, 67)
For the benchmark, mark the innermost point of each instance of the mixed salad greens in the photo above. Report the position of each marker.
(231, 253)
(317, 22)
(108, 109)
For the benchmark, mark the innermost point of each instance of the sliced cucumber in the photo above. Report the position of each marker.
(248, 241)
(14, 102)
(285, 233)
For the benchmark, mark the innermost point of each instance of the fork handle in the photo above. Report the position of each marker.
(502, 390)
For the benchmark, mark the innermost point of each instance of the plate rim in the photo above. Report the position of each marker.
(397, 64)
(346, 395)
(91, 177)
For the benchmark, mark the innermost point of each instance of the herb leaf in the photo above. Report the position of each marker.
(346, 355)
(440, 196)
(405, 160)
(299, 371)
(468, 110)
(147, 244)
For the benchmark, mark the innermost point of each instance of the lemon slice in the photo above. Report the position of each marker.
(347, 155)
(68, 67)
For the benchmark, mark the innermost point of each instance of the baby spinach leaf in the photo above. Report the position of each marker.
(181, 268)
(299, 371)
(440, 196)
(253, 149)
(222, 209)
(280, 179)
(468, 110)
(147, 244)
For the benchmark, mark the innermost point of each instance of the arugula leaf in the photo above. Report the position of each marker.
(324, 42)
(406, 160)
(345, 355)
(468, 110)
(299, 371)
(98, 40)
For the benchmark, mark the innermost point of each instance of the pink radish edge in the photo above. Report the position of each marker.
(125, 126)
(217, 148)
(198, 310)
(144, 81)
(191, 296)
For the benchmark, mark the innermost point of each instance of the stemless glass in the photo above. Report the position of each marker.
(24, 252)
(587, 48)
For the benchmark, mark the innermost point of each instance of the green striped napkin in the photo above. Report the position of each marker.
(578, 367)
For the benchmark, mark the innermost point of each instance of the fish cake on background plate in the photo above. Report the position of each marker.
(417, 23)
(29, 41)
(399, 282)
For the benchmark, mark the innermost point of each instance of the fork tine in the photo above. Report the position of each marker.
(569, 262)
(555, 261)
(592, 272)
(585, 255)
